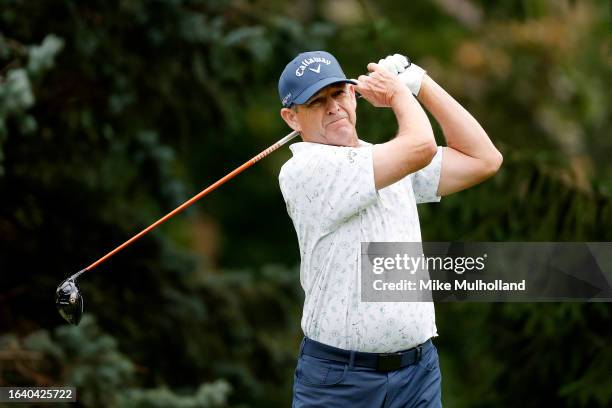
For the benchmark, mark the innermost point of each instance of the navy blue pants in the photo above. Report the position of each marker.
(326, 383)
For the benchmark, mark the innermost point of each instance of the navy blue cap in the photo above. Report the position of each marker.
(307, 74)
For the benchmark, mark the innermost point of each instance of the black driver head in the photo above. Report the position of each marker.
(69, 301)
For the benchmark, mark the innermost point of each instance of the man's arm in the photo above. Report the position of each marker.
(414, 145)
(470, 157)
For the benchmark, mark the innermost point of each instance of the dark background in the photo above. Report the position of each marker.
(113, 113)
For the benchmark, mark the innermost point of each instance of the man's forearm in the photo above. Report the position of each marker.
(412, 121)
(415, 138)
(461, 130)
(413, 147)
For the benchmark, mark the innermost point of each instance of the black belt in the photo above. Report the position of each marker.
(378, 361)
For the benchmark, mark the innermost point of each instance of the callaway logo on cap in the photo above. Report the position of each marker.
(307, 74)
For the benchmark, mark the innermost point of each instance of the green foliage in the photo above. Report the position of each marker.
(89, 360)
(557, 353)
(86, 358)
(208, 395)
(16, 95)
(42, 57)
(16, 92)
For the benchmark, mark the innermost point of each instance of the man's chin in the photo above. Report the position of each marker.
(347, 139)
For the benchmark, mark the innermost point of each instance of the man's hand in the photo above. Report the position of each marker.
(395, 63)
(409, 74)
(379, 87)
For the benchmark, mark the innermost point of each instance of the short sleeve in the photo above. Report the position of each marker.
(328, 184)
(425, 182)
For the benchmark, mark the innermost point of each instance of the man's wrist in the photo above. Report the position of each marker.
(425, 85)
(400, 97)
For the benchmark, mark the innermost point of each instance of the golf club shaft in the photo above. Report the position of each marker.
(194, 199)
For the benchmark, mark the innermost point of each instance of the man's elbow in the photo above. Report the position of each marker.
(418, 155)
(427, 151)
(493, 163)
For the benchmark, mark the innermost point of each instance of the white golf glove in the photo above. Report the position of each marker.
(395, 63)
(408, 73)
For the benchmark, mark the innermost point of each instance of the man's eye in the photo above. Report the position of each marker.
(339, 93)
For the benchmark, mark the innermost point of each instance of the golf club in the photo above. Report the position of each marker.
(68, 297)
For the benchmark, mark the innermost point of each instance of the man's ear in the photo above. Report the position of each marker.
(290, 117)
(351, 90)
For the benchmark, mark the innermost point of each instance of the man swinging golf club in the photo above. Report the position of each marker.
(341, 191)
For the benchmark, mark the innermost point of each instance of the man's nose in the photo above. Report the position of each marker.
(332, 106)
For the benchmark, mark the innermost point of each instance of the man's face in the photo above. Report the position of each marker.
(328, 117)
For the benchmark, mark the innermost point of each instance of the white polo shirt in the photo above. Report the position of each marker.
(332, 199)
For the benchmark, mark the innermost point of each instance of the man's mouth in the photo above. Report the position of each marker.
(334, 121)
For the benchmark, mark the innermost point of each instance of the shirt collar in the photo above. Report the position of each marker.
(300, 147)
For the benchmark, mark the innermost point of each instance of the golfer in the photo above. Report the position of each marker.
(341, 191)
